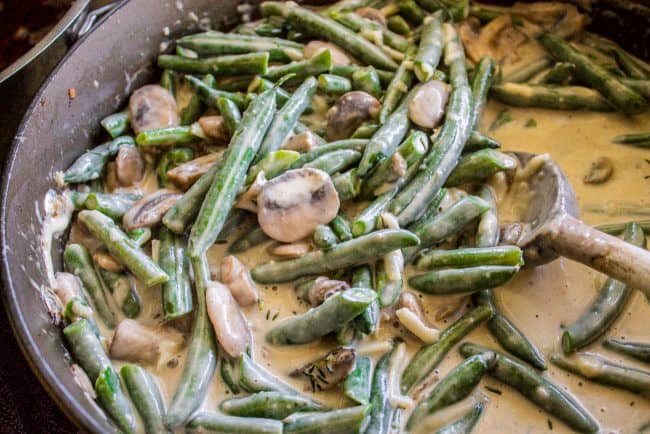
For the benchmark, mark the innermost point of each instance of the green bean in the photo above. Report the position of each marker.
(641, 140)
(170, 136)
(236, 64)
(618, 228)
(237, 83)
(481, 83)
(167, 80)
(368, 321)
(347, 184)
(324, 237)
(396, 90)
(478, 141)
(341, 228)
(230, 112)
(170, 159)
(177, 291)
(218, 43)
(111, 205)
(560, 73)
(441, 226)
(221, 196)
(537, 389)
(607, 306)
(381, 411)
(464, 280)
(76, 308)
(326, 318)
(471, 257)
(209, 422)
(347, 144)
(454, 9)
(621, 96)
(335, 162)
(370, 30)
(145, 395)
(346, 71)
(365, 131)
(367, 80)
(211, 96)
(248, 240)
(116, 124)
(91, 163)
(110, 396)
(455, 386)
(411, 202)
(78, 261)
(358, 382)
(550, 97)
(465, 424)
(430, 49)
(273, 164)
(398, 25)
(429, 356)
(270, 405)
(312, 23)
(259, 85)
(229, 370)
(254, 378)
(201, 358)
(334, 84)
(603, 371)
(86, 348)
(123, 249)
(366, 221)
(343, 421)
(303, 69)
(346, 254)
(479, 166)
(637, 350)
(410, 10)
(633, 65)
(528, 70)
(194, 107)
(286, 118)
(124, 292)
(642, 87)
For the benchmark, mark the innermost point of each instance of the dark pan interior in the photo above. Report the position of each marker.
(103, 69)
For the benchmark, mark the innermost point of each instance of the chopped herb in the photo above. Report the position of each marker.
(493, 390)
(550, 424)
(531, 123)
(275, 316)
(502, 118)
(268, 314)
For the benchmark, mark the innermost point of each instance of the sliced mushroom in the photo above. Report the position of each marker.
(350, 111)
(215, 128)
(248, 200)
(293, 204)
(601, 170)
(451, 308)
(328, 371)
(498, 38)
(303, 142)
(372, 14)
(236, 277)
(510, 234)
(67, 287)
(107, 262)
(340, 57)
(110, 179)
(134, 342)
(186, 174)
(149, 210)
(563, 19)
(410, 315)
(411, 302)
(323, 289)
(293, 250)
(398, 166)
(152, 107)
(129, 166)
(427, 105)
(229, 323)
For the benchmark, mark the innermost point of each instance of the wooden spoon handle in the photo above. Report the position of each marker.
(610, 255)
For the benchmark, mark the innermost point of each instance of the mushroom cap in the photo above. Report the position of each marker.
(152, 107)
(149, 210)
(427, 104)
(349, 112)
(229, 323)
(290, 206)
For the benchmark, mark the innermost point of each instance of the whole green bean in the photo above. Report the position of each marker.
(235, 64)
(211, 96)
(358, 382)
(637, 350)
(366, 221)
(455, 386)
(603, 371)
(369, 29)
(116, 124)
(550, 97)
(334, 84)
(368, 321)
(177, 291)
(398, 25)
(471, 257)
(410, 10)
(229, 371)
(303, 69)
(381, 411)
(91, 163)
(365, 131)
(429, 356)
(217, 43)
(326, 318)
(346, 71)
(209, 422)
(347, 144)
(248, 240)
(112, 205)
(170, 136)
(230, 112)
(146, 397)
(621, 96)
(78, 261)
(607, 306)
(221, 196)
(343, 421)
(430, 50)
(641, 140)
(341, 228)
(642, 87)
(465, 424)
(335, 162)
(528, 70)
(270, 405)
(396, 90)
(367, 80)
(110, 396)
(479, 166)
(201, 359)
(478, 141)
(463, 280)
(537, 389)
(481, 83)
(86, 348)
(123, 249)
(324, 237)
(560, 73)
(346, 254)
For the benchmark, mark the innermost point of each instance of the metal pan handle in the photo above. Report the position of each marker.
(86, 21)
